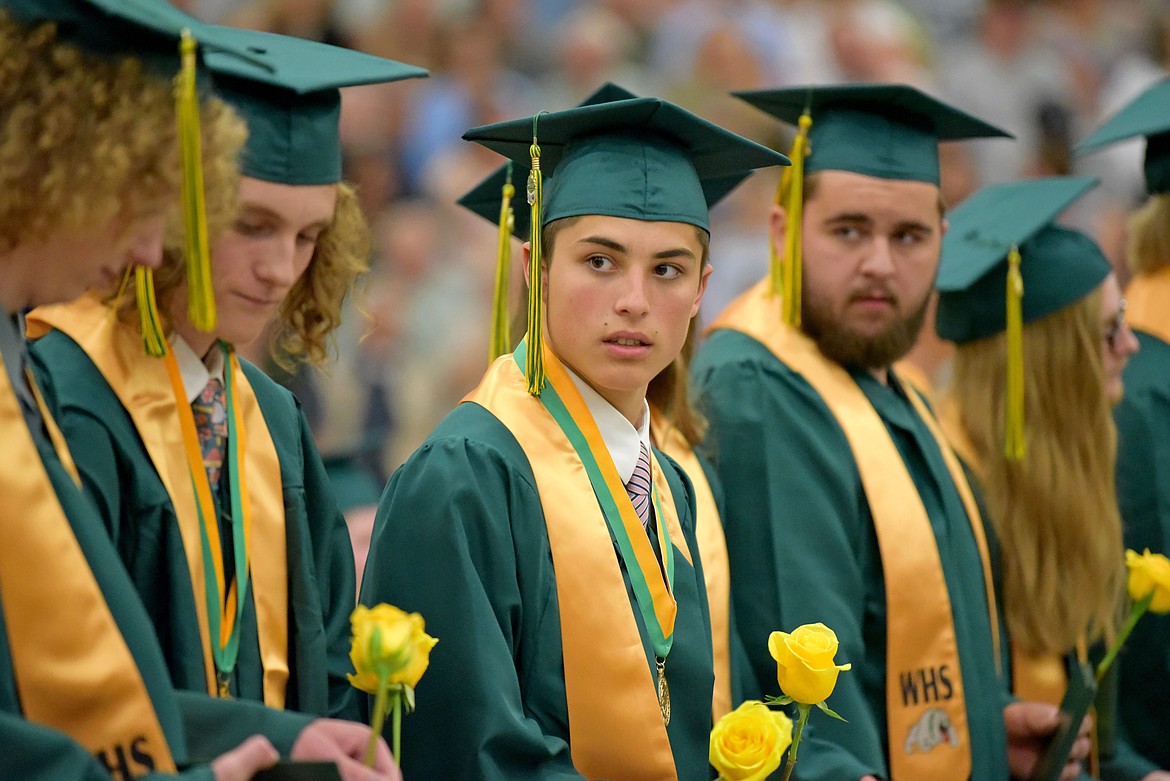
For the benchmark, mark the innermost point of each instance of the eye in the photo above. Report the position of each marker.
(908, 237)
(668, 271)
(252, 227)
(847, 232)
(599, 262)
(309, 238)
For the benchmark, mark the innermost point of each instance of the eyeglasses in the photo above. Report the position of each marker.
(1113, 335)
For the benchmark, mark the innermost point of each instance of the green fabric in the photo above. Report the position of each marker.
(287, 90)
(34, 752)
(460, 537)
(889, 131)
(132, 501)
(1146, 115)
(1058, 265)
(803, 549)
(1143, 490)
(642, 158)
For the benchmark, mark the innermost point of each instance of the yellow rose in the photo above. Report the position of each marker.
(1149, 573)
(748, 743)
(804, 662)
(388, 641)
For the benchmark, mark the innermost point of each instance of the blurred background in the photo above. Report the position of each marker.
(415, 338)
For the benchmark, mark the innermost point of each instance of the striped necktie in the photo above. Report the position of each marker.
(638, 486)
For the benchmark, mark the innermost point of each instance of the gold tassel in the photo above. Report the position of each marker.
(534, 368)
(786, 276)
(1014, 448)
(501, 339)
(201, 296)
(154, 339)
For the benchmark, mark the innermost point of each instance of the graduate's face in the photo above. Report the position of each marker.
(258, 260)
(871, 252)
(619, 295)
(74, 261)
(1117, 340)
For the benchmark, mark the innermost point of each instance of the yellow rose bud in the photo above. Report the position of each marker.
(387, 641)
(1149, 573)
(748, 743)
(804, 662)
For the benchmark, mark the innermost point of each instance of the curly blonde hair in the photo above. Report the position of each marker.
(83, 139)
(1055, 512)
(312, 309)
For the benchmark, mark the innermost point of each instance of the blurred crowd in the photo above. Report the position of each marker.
(415, 339)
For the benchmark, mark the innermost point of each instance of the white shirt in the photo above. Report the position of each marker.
(194, 372)
(622, 440)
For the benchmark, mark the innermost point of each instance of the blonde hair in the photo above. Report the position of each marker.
(312, 309)
(1149, 236)
(1055, 512)
(669, 393)
(83, 139)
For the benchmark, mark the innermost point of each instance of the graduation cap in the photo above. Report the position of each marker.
(1146, 115)
(288, 92)
(638, 158)
(491, 199)
(1004, 264)
(888, 131)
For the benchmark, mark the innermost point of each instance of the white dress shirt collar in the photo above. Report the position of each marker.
(194, 372)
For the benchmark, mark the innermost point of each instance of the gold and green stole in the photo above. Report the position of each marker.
(1148, 304)
(152, 393)
(72, 667)
(712, 552)
(922, 650)
(616, 724)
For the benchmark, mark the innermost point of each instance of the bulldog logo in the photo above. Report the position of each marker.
(933, 729)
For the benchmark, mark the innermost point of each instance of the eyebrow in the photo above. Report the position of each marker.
(859, 217)
(259, 210)
(602, 241)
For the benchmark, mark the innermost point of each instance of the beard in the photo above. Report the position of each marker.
(844, 345)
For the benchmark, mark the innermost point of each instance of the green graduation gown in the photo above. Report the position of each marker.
(802, 548)
(117, 472)
(197, 728)
(1143, 491)
(460, 537)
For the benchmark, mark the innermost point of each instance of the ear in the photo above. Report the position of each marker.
(703, 279)
(777, 226)
(946, 225)
(526, 255)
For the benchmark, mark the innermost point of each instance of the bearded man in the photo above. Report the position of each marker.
(843, 503)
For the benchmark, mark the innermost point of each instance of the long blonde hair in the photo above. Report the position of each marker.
(1149, 236)
(1055, 512)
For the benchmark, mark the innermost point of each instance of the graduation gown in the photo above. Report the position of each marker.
(803, 548)
(137, 512)
(1143, 492)
(460, 537)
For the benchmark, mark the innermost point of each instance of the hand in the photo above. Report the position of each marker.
(1029, 728)
(243, 761)
(344, 742)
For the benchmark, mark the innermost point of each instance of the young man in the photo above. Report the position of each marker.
(843, 504)
(549, 548)
(1143, 415)
(203, 467)
(84, 690)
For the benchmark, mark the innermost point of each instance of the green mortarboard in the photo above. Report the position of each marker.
(1058, 265)
(1146, 115)
(889, 131)
(287, 90)
(484, 198)
(642, 158)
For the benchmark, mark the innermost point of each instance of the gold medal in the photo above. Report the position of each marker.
(224, 684)
(663, 692)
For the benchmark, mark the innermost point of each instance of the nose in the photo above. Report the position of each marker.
(879, 261)
(146, 246)
(1129, 342)
(277, 266)
(633, 301)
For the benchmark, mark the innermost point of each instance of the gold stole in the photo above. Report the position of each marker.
(615, 725)
(144, 388)
(73, 669)
(1148, 300)
(921, 642)
(712, 552)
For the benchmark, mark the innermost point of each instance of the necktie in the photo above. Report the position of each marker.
(638, 486)
(210, 412)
